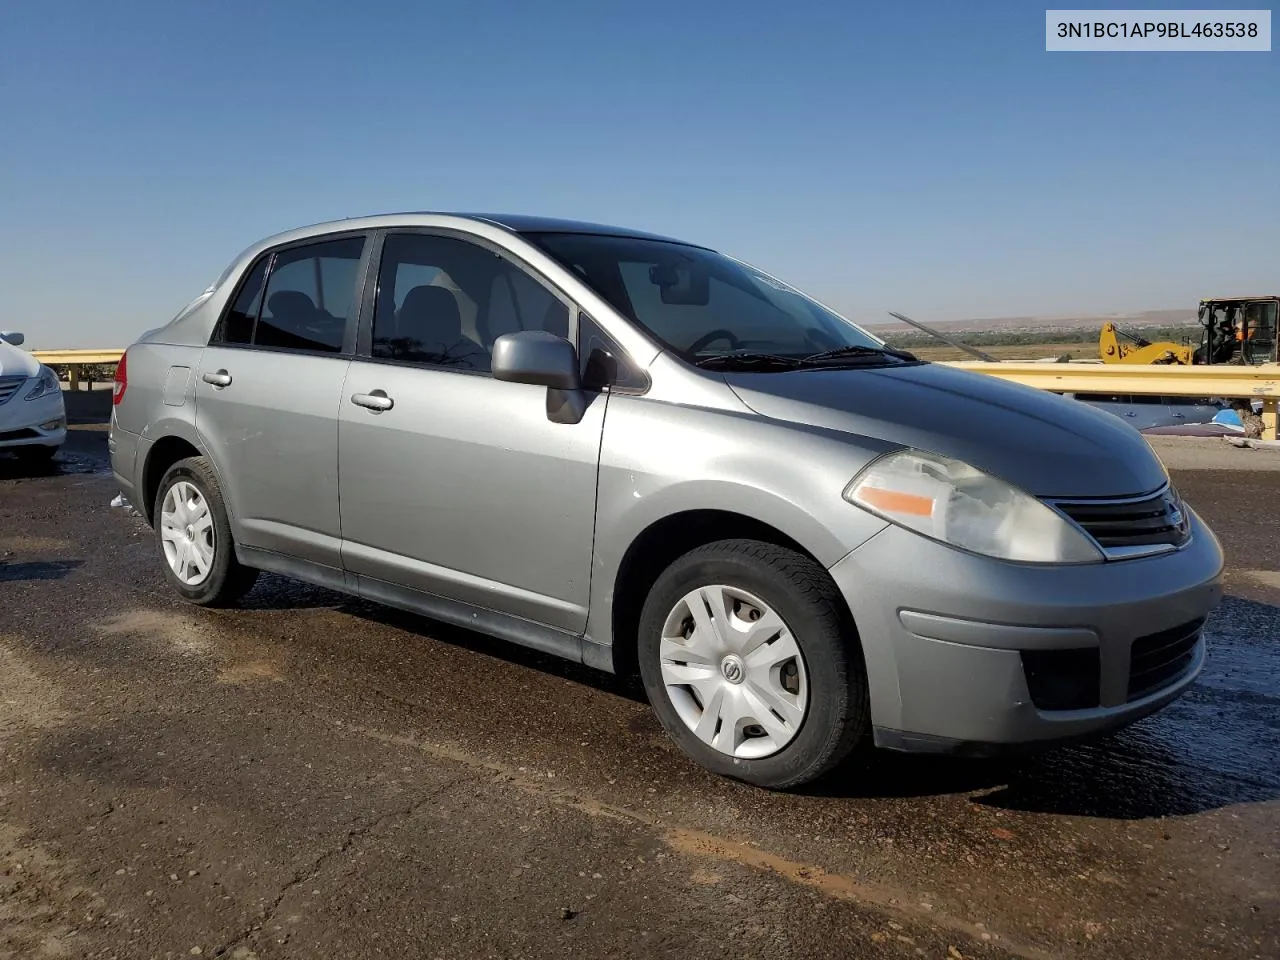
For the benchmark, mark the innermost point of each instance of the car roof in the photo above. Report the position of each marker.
(514, 222)
(525, 223)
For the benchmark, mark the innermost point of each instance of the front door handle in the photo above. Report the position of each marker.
(375, 400)
(219, 379)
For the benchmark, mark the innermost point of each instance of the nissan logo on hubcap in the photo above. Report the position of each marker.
(733, 669)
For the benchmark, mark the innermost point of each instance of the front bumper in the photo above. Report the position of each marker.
(972, 655)
(32, 423)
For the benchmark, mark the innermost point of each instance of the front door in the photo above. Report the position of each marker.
(267, 397)
(454, 484)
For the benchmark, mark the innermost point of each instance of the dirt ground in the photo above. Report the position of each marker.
(313, 776)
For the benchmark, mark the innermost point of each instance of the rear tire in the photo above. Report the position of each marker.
(777, 690)
(193, 537)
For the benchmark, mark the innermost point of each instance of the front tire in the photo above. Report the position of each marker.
(194, 539)
(751, 664)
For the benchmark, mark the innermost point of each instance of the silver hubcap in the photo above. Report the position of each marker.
(734, 672)
(186, 533)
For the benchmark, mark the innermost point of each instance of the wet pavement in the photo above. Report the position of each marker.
(312, 776)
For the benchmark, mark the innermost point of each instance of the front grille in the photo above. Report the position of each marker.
(1120, 526)
(1063, 679)
(26, 433)
(1160, 658)
(9, 386)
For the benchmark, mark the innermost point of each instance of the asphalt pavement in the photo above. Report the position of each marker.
(314, 776)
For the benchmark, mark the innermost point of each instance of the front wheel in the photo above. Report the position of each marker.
(751, 665)
(194, 536)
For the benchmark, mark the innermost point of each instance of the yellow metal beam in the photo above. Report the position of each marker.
(67, 357)
(1160, 379)
(76, 360)
(1260, 382)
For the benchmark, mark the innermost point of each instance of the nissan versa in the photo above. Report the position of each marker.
(648, 456)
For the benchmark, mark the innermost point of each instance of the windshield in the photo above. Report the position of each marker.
(701, 304)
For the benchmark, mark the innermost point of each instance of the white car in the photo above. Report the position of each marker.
(33, 419)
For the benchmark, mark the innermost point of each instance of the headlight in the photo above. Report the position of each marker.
(46, 383)
(952, 502)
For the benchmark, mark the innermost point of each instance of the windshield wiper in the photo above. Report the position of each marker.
(748, 361)
(858, 350)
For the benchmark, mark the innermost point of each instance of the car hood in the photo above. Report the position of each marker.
(15, 362)
(1048, 445)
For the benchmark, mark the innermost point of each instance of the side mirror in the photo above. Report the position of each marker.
(17, 339)
(543, 359)
(538, 357)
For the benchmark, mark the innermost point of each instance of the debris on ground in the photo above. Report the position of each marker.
(120, 503)
(1253, 444)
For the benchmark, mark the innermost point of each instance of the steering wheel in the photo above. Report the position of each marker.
(713, 336)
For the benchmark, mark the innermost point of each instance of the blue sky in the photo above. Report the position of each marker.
(925, 157)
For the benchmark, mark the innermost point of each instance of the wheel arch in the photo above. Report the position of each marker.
(658, 545)
(177, 443)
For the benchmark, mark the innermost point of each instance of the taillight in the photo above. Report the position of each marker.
(121, 380)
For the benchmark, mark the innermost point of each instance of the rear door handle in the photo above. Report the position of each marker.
(219, 379)
(375, 400)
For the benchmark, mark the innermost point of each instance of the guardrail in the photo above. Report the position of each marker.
(1235, 382)
(1244, 382)
(76, 360)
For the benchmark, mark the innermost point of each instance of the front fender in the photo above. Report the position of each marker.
(660, 460)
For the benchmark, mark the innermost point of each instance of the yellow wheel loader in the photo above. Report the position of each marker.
(1239, 330)
(1119, 346)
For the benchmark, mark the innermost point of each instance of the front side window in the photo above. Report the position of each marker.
(705, 306)
(602, 363)
(443, 302)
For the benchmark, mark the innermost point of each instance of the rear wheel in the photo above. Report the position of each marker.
(751, 664)
(194, 536)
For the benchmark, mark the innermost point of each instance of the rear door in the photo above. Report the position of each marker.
(268, 390)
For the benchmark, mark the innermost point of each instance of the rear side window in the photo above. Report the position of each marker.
(237, 326)
(308, 300)
(310, 296)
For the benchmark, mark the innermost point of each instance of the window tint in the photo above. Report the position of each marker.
(237, 326)
(518, 302)
(410, 275)
(450, 300)
(701, 304)
(310, 296)
(755, 319)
